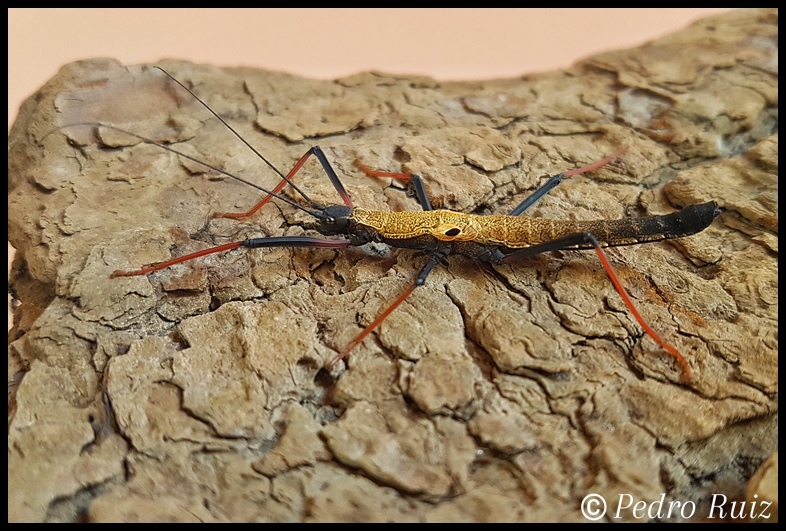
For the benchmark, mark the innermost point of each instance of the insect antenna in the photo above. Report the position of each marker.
(317, 212)
(239, 136)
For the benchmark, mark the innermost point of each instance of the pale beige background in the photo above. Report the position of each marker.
(326, 43)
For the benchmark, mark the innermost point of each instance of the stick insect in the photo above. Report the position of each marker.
(498, 239)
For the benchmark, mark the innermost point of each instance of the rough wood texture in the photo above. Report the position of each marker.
(494, 393)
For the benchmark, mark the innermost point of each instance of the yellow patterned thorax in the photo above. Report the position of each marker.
(447, 225)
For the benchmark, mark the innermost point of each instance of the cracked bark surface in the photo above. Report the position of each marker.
(493, 394)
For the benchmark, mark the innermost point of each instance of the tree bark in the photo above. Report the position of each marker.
(200, 392)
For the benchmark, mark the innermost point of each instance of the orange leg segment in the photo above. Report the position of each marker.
(678, 358)
(574, 240)
(419, 281)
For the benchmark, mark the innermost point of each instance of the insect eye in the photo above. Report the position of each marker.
(453, 232)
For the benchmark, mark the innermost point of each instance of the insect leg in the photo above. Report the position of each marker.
(320, 155)
(420, 192)
(556, 179)
(417, 183)
(252, 243)
(286, 179)
(419, 281)
(584, 238)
